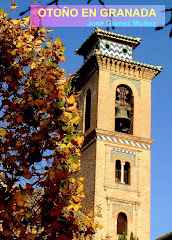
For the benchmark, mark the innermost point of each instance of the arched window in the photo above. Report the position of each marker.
(122, 223)
(118, 171)
(88, 110)
(124, 109)
(127, 173)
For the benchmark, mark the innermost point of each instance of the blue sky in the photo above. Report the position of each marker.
(155, 49)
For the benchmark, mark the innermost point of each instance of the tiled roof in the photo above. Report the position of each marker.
(98, 33)
(167, 236)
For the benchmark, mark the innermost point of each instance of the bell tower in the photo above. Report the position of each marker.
(115, 100)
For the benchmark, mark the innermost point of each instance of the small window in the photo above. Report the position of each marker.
(127, 173)
(125, 50)
(122, 223)
(118, 171)
(88, 110)
(107, 46)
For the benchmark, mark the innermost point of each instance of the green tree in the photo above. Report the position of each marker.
(39, 145)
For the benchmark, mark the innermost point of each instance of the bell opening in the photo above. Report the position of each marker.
(122, 125)
(124, 110)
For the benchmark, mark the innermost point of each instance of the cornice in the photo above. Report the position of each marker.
(123, 136)
(116, 65)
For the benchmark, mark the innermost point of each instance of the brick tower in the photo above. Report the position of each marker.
(115, 99)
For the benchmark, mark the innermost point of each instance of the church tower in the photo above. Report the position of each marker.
(115, 100)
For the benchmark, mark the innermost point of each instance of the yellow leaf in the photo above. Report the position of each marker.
(14, 6)
(80, 140)
(58, 42)
(82, 195)
(26, 204)
(72, 99)
(16, 21)
(75, 120)
(81, 187)
(1, 12)
(98, 215)
(91, 214)
(18, 143)
(68, 114)
(70, 207)
(27, 175)
(61, 87)
(62, 59)
(19, 45)
(62, 145)
(47, 91)
(43, 30)
(25, 21)
(48, 43)
(74, 166)
(76, 199)
(33, 65)
(3, 133)
(13, 52)
(99, 226)
(72, 180)
(81, 179)
(28, 214)
(77, 207)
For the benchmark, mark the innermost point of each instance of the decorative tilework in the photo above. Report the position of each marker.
(123, 154)
(118, 141)
(114, 77)
(129, 209)
(123, 141)
(115, 49)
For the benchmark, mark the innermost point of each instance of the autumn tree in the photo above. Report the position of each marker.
(39, 145)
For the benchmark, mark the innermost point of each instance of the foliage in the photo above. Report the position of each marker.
(124, 237)
(39, 147)
(132, 237)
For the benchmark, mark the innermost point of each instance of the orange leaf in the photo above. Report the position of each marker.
(27, 175)
(72, 99)
(7, 232)
(39, 102)
(19, 119)
(62, 59)
(31, 236)
(18, 143)
(28, 185)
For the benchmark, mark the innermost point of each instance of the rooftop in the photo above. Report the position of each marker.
(101, 34)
